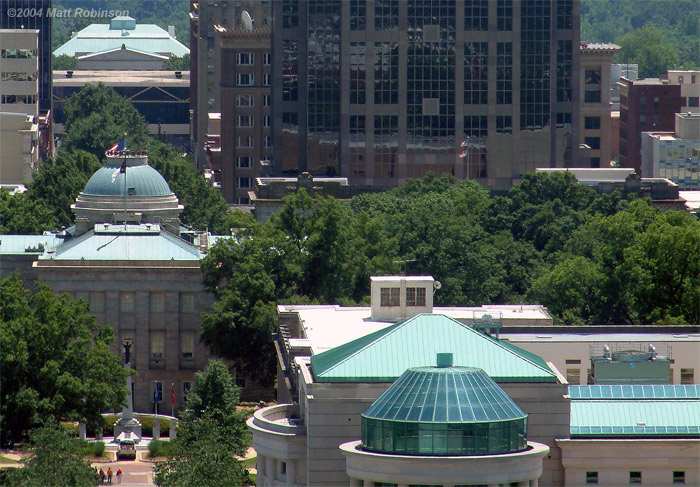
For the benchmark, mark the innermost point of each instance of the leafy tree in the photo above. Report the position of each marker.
(649, 47)
(54, 462)
(64, 61)
(97, 117)
(20, 214)
(58, 182)
(210, 436)
(176, 63)
(56, 362)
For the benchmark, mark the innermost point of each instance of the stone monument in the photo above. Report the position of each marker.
(127, 427)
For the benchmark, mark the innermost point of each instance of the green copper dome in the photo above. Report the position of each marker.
(444, 411)
(141, 180)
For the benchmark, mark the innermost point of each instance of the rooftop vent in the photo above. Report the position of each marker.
(444, 360)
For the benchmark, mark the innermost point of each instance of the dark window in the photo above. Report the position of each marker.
(565, 13)
(475, 126)
(535, 34)
(564, 118)
(389, 296)
(643, 101)
(386, 70)
(635, 477)
(564, 71)
(476, 73)
(504, 15)
(504, 73)
(684, 101)
(358, 14)
(592, 142)
(386, 14)
(592, 96)
(592, 478)
(693, 101)
(593, 76)
(595, 161)
(357, 72)
(290, 70)
(592, 123)
(504, 124)
(656, 102)
(476, 14)
(642, 119)
(623, 100)
(678, 477)
(290, 13)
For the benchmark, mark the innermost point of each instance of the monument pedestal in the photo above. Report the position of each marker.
(127, 424)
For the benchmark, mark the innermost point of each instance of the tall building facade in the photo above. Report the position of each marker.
(205, 95)
(33, 14)
(646, 105)
(386, 90)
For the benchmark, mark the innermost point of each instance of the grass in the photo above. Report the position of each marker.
(7, 460)
(250, 462)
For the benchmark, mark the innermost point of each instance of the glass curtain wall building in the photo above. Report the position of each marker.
(381, 91)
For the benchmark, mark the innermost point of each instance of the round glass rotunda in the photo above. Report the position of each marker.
(444, 411)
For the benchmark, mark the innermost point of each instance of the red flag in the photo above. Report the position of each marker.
(172, 394)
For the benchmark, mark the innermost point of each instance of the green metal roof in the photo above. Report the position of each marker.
(444, 411)
(27, 244)
(635, 418)
(691, 391)
(145, 180)
(444, 395)
(144, 37)
(384, 355)
(138, 243)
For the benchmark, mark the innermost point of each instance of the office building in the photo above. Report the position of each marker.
(37, 18)
(205, 70)
(243, 55)
(362, 403)
(19, 148)
(595, 120)
(19, 71)
(380, 92)
(674, 155)
(646, 105)
(690, 89)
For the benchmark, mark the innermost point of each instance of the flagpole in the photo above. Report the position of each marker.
(124, 190)
(172, 397)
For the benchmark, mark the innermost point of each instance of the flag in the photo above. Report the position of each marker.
(463, 154)
(117, 147)
(120, 169)
(464, 143)
(172, 394)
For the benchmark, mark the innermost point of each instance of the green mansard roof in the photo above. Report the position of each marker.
(384, 355)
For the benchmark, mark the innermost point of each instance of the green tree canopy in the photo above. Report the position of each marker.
(176, 63)
(210, 436)
(56, 362)
(54, 462)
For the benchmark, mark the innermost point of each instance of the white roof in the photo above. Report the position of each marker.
(328, 326)
(600, 337)
(400, 278)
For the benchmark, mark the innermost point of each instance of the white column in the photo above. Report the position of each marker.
(82, 427)
(156, 428)
(291, 472)
(270, 470)
(173, 429)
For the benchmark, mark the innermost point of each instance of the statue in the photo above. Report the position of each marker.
(127, 351)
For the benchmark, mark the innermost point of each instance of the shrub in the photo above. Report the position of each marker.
(155, 448)
(72, 429)
(98, 448)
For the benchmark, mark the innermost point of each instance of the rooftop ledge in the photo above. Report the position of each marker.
(281, 419)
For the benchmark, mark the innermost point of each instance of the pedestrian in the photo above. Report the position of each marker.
(102, 476)
(119, 476)
(109, 475)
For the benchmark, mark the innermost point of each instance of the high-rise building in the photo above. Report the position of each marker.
(205, 75)
(385, 90)
(33, 14)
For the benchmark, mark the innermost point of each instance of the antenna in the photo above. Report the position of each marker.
(247, 21)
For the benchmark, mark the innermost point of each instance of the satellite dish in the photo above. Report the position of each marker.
(437, 284)
(247, 21)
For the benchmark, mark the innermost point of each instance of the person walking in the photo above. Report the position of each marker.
(102, 476)
(119, 476)
(109, 475)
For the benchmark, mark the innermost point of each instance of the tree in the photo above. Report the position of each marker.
(20, 214)
(176, 63)
(97, 117)
(56, 362)
(54, 462)
(210, 436)
(58, 182)
(650, 48)
(64, 61)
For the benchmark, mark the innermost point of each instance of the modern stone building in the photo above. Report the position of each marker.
(19, 72)
(690, 89)
(19, 148)
(674, 155)
(34, 17)
(336, 367)
(387, 90)
(138, 269)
